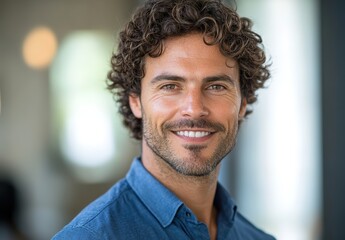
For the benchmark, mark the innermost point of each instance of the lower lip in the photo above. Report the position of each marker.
(194, 139)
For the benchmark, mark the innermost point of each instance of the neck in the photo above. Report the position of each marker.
(197, 193)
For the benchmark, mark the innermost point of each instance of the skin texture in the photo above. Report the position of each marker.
(190, 105)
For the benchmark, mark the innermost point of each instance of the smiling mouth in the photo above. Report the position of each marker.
(193, 134)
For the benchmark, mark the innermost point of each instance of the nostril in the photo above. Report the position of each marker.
(195, 111)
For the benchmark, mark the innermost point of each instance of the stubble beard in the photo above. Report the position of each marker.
(194, 165)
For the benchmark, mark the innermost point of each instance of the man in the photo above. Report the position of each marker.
(184, 75)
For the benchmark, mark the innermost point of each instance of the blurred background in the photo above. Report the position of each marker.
(62, 143)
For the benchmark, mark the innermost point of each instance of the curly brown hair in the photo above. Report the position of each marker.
(158, 20)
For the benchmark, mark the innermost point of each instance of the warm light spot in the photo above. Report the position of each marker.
(39, 47)
(88, 139)
(87, 129)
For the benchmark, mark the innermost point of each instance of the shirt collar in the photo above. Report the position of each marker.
(161, 202)
(225, 206)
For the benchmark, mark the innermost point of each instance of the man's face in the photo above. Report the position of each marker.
(190, 105)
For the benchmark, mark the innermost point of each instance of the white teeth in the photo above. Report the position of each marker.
(193, 134)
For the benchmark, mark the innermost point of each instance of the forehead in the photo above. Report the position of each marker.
(190, 54)
(192, 45)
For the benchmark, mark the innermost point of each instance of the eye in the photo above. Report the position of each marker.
(216, 87)
(169, 86)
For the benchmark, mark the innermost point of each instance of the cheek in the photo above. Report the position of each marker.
(163, 105)
(160, 106)
(159, 111)
(229, 105)
(227, 113)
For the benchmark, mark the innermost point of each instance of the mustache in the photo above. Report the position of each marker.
(196, 123)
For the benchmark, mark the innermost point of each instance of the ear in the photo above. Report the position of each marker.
(135, 104)
(243, 108)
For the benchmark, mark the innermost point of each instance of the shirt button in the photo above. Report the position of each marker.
(188, 214)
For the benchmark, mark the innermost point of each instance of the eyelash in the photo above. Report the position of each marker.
(216, 87)
(169, 86)
(213, 87)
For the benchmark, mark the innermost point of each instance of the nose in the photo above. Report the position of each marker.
(193, 105)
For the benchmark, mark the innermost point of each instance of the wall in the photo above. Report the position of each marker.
(50, 194)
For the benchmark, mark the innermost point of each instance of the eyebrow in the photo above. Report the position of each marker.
(167, 77)
(220, 77)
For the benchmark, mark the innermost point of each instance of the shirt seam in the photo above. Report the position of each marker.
(89, 230)
(84, 224)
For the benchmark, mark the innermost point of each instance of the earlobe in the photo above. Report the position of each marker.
(243, 108)
(135, 104)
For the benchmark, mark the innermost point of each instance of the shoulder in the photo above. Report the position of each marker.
(76, 233)
(246, 230)
(102, 214)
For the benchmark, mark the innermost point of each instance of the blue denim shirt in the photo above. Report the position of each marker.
(140, 207)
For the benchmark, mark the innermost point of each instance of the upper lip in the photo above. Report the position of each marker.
(194, 130)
